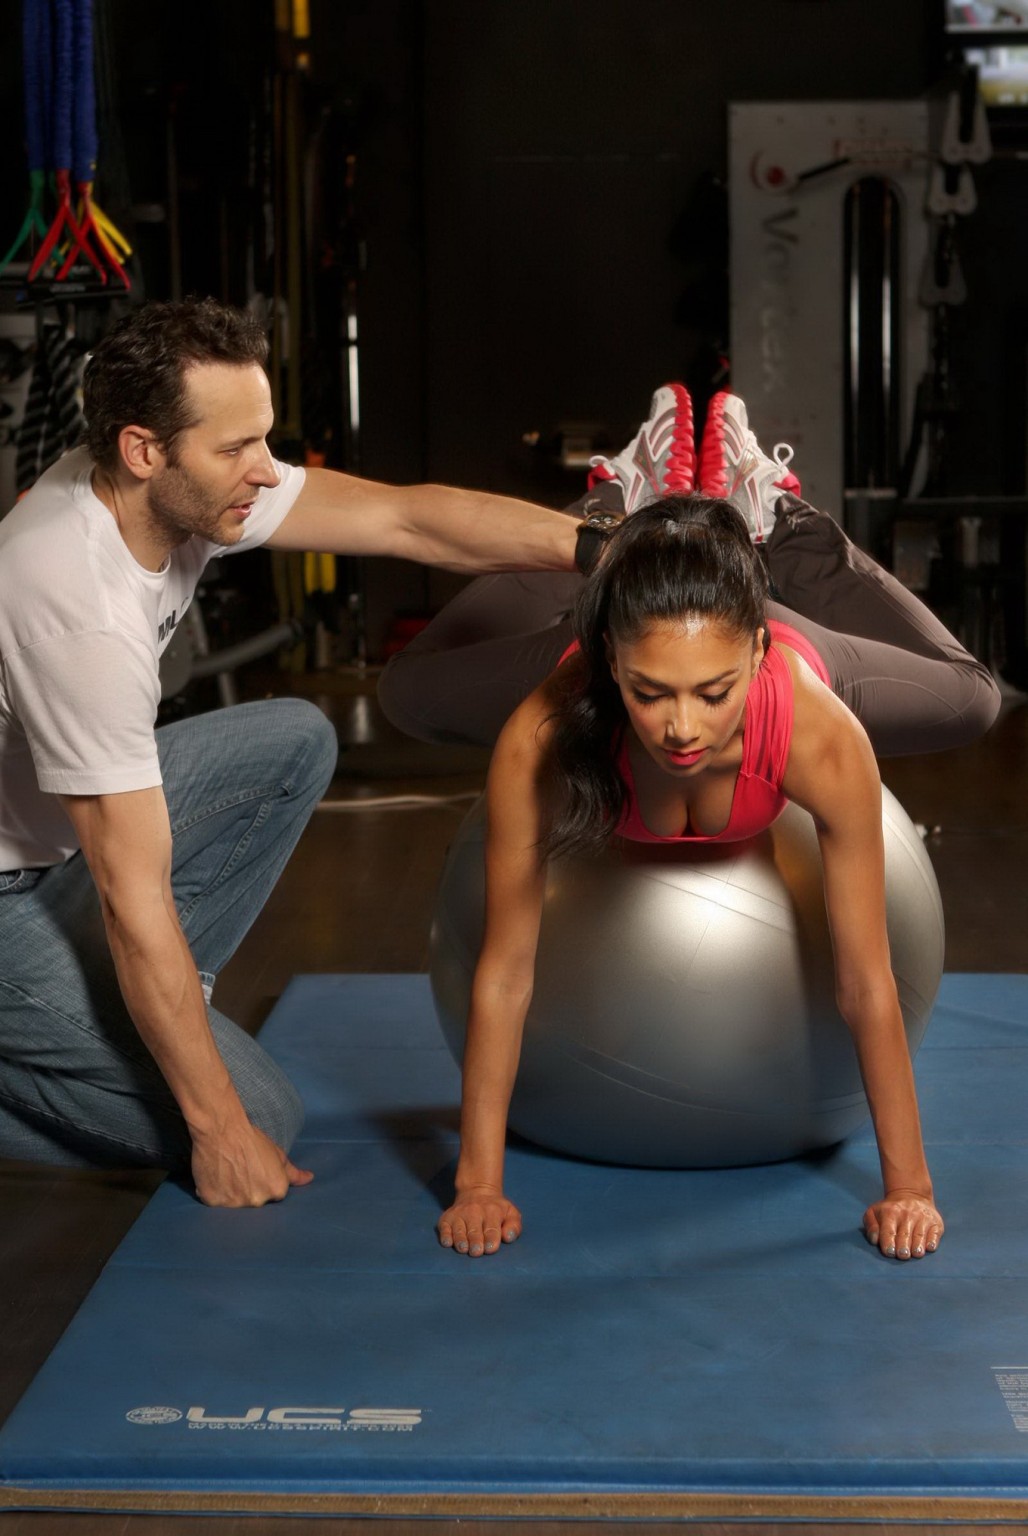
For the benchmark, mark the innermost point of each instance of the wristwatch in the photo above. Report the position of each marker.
(593, 532)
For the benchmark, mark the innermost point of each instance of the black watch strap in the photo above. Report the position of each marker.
(593, 532)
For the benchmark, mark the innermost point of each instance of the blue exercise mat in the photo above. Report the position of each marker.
(659, 1344)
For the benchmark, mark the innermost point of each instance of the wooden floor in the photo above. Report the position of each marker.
(357, 896)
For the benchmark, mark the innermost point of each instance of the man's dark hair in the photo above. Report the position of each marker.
(137, 372)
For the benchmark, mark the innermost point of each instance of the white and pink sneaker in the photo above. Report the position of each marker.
(733, 465)
(661, 458)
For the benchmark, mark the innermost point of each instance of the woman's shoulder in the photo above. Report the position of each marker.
(814, 703)
(798, 653)
(529, 730)
(827, 738)
(520, 772)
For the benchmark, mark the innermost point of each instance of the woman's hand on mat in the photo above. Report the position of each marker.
(243, 1168)
(478, 1221)
(903, 1225)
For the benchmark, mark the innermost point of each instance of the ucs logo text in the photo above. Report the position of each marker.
(291, 1418)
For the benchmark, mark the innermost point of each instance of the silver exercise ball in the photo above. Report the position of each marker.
(684, 1005)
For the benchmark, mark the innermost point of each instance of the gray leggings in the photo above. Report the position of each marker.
(910, 683)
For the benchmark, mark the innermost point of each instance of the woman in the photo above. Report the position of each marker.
(693, 710)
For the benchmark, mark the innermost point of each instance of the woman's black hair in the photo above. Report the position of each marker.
(678, 558)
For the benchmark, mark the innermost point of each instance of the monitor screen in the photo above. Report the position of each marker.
(1002, 75)
(986, 15)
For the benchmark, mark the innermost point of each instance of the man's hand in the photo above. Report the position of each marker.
(243, 1167)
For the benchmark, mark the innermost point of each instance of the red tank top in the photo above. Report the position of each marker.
(767, 734)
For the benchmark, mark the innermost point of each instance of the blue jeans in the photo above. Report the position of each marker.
(77, 1084)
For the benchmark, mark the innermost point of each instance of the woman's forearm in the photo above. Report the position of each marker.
(876, 1024)
(491, 1054)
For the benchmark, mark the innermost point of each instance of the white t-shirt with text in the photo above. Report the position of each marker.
(82, 625)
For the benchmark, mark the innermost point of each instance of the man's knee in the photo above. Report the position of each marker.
(307, 725)
(274, 1106)
(265, 1092)
(323, 745)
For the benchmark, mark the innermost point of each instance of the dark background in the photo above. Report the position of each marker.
(536, 208)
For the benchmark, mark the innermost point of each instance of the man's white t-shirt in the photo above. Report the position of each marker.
(82, 626)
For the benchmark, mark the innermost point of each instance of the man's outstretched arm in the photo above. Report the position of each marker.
(455, 529)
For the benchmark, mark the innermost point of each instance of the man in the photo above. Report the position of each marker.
(132, 862)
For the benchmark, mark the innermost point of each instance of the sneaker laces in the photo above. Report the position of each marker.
(782, 454)
(682, 458)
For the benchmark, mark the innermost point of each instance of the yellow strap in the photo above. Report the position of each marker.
(319, 572)
(110, 233)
